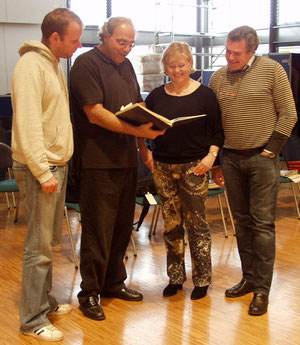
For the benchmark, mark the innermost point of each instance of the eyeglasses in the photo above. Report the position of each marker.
(124, 44)
(232, 94)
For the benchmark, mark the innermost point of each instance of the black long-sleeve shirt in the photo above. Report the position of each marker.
(191, 141)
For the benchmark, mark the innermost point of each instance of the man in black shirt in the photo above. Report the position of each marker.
(103, 80)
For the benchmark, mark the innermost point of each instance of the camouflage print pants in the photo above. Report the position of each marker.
(182, 195)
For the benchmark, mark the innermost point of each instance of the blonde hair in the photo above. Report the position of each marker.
(174, 49)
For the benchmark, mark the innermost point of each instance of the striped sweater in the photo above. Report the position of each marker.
(257, 105)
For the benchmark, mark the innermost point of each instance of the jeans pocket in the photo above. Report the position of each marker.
(20, 171)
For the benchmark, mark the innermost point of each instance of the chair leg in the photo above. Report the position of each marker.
(16, 210)
(153, 220)
(71, 238)
(7, 200)
(156, 219)
(14, 199)
(222, 214)
(133, 245)
(295, 198)
(229, 211)
(12, 194)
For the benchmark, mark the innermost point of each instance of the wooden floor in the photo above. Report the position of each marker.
(214, 320)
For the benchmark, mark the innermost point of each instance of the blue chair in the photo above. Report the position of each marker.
(8, 185)
(142, 201)
(284, 179)
(214, 191)
(73, 207)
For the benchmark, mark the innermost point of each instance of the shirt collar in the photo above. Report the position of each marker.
(248, 64)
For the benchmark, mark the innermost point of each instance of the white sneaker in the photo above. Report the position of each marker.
(48, 333)
(61, 309)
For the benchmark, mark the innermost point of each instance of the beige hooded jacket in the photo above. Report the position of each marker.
(42, 131)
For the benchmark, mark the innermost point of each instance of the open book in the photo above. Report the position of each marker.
(288, 173)
(291, 174)
(137, 114)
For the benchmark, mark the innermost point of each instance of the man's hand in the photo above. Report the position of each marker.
(50, 186)
(218, 177)
(145, 131)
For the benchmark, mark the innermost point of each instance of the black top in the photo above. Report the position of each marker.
(95, 78)
(191, 141)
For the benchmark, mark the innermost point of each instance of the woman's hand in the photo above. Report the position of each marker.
(146, 154)
(148, 159)
(205, 164)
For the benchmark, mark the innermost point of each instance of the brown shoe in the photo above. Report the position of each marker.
(241, 289)
(259, 304)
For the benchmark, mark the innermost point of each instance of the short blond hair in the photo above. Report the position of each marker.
(174, 49)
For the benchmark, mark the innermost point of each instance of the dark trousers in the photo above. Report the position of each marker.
(252, 184)
(107, 202)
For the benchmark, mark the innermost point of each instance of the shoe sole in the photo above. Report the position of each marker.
(257, 313)
(33, 335)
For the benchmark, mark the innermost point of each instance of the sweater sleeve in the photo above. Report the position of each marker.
(285, 108)
(215, 130)
(28, 140)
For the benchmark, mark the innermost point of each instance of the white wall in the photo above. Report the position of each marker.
(19, 21)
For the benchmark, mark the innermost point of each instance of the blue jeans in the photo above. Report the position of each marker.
(252, 184)
(44, 216)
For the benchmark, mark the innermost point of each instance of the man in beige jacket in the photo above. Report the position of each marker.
(42, 144)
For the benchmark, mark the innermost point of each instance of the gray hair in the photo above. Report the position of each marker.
(247, 33)
(109, 27)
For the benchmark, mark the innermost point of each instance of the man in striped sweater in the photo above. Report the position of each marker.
(258, 115)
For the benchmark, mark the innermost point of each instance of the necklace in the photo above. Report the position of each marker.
(188, 88)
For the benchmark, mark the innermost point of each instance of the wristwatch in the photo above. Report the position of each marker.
(214, 153)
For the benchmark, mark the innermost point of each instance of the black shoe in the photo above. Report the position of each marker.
(199, 292)
(91, 309)
(259, 304)
(125, 294)
(241, 289)
(171, 290)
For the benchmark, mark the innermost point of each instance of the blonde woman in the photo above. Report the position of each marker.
(182, 158)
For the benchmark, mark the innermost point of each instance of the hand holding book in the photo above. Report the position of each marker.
(137, 114)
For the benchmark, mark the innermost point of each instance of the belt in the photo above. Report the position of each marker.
(248, 152)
